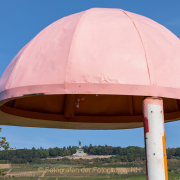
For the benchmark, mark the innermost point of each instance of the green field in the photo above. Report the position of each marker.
(20, 171)
(172, 176)
(139, 176)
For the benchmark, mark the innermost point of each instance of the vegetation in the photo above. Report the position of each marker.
(132, 176)
(99, 164)
(24, 160)
(128, 154)
(5, 145)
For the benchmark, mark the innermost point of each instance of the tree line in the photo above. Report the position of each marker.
(33, 155)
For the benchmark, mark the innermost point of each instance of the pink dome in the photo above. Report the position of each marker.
(95, 52)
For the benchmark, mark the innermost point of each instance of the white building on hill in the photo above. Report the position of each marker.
(80, 151)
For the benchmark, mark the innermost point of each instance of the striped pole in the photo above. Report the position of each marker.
(154, 135)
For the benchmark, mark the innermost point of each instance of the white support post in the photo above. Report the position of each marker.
(154, 134)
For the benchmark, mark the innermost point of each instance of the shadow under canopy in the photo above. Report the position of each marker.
(82, 111)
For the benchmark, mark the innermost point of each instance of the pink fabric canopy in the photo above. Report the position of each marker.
(98, 51)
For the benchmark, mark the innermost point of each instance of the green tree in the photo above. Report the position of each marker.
(67, 152)
(177, 152)
(52, 152)
(124, 158)
(3, 143)
(5, 146)
(41, 153)
(96, 150)
(58, 151)
(46, 153)
(130, 158)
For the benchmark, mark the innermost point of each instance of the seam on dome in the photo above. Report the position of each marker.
(16, 65)
(149, 64)
(9, 81)
(10, 77)
(77, 25)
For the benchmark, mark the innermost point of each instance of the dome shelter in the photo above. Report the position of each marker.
(92, 67)
(93, 70)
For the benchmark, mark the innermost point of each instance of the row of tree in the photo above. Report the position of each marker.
(130, 153)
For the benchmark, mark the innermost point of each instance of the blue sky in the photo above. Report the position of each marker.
(21, 20)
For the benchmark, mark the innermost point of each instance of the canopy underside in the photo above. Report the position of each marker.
(81, 111)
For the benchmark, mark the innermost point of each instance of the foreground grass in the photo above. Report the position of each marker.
(20, 178)
(24, 169)
(173, 175)
(94, 178)
(173, 166)
(137, 176)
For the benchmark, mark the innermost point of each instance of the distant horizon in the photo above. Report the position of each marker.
(85, 146)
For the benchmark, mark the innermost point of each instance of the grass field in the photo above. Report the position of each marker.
(22, 169)
(139, 176)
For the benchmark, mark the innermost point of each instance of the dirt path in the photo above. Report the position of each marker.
(9, 171)
(44, 172)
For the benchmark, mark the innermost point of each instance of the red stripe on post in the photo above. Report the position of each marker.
(146, 125)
